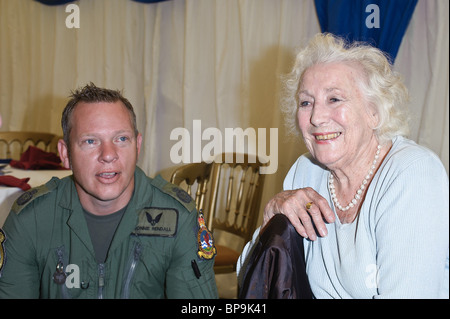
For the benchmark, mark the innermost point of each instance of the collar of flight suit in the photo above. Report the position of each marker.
(71, 205)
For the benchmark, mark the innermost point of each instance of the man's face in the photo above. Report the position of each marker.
(103, 155)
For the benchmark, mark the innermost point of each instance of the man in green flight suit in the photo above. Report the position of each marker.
(107, 231)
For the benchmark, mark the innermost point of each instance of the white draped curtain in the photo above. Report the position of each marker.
(217, 61)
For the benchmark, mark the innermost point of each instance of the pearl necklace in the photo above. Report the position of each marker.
(359, 191)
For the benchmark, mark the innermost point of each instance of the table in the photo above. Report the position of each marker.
(37, 177)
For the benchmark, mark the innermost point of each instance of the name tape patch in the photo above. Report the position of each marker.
(154, 221)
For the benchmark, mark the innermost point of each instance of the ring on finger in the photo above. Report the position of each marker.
(308, 205)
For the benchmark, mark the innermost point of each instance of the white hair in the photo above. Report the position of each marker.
(382, 87)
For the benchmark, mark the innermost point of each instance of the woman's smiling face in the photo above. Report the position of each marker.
(334, 118)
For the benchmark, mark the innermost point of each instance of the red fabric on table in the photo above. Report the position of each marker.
(8, 180)
(34, 158)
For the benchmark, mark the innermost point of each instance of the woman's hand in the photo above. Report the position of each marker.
(306, 218)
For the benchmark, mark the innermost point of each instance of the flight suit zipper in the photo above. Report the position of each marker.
(101, 280)
(134, 259)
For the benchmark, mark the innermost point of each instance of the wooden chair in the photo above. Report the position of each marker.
(233, 211)
(194, 179)
(13, 144)
(229, 195)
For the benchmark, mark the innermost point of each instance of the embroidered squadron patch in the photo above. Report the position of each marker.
(154, 221)
(2, 250)
(206, 249)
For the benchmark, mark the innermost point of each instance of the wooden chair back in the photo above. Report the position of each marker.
(13, 144)
(236, 191)
(229, 193)
(194, 179)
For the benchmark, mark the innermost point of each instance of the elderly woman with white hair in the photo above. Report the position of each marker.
(372, 206)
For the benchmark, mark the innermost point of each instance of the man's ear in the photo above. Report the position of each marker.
(139, 143)
(64, 153)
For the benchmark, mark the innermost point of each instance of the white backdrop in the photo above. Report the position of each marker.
(184, 60)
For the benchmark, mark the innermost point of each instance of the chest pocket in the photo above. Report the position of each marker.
(144, 272)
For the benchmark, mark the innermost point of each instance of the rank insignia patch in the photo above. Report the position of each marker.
(2, 250)
(206, 249)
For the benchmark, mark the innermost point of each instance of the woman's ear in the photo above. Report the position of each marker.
(374, 118)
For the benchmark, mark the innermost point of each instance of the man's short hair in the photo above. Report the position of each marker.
(92, 94)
